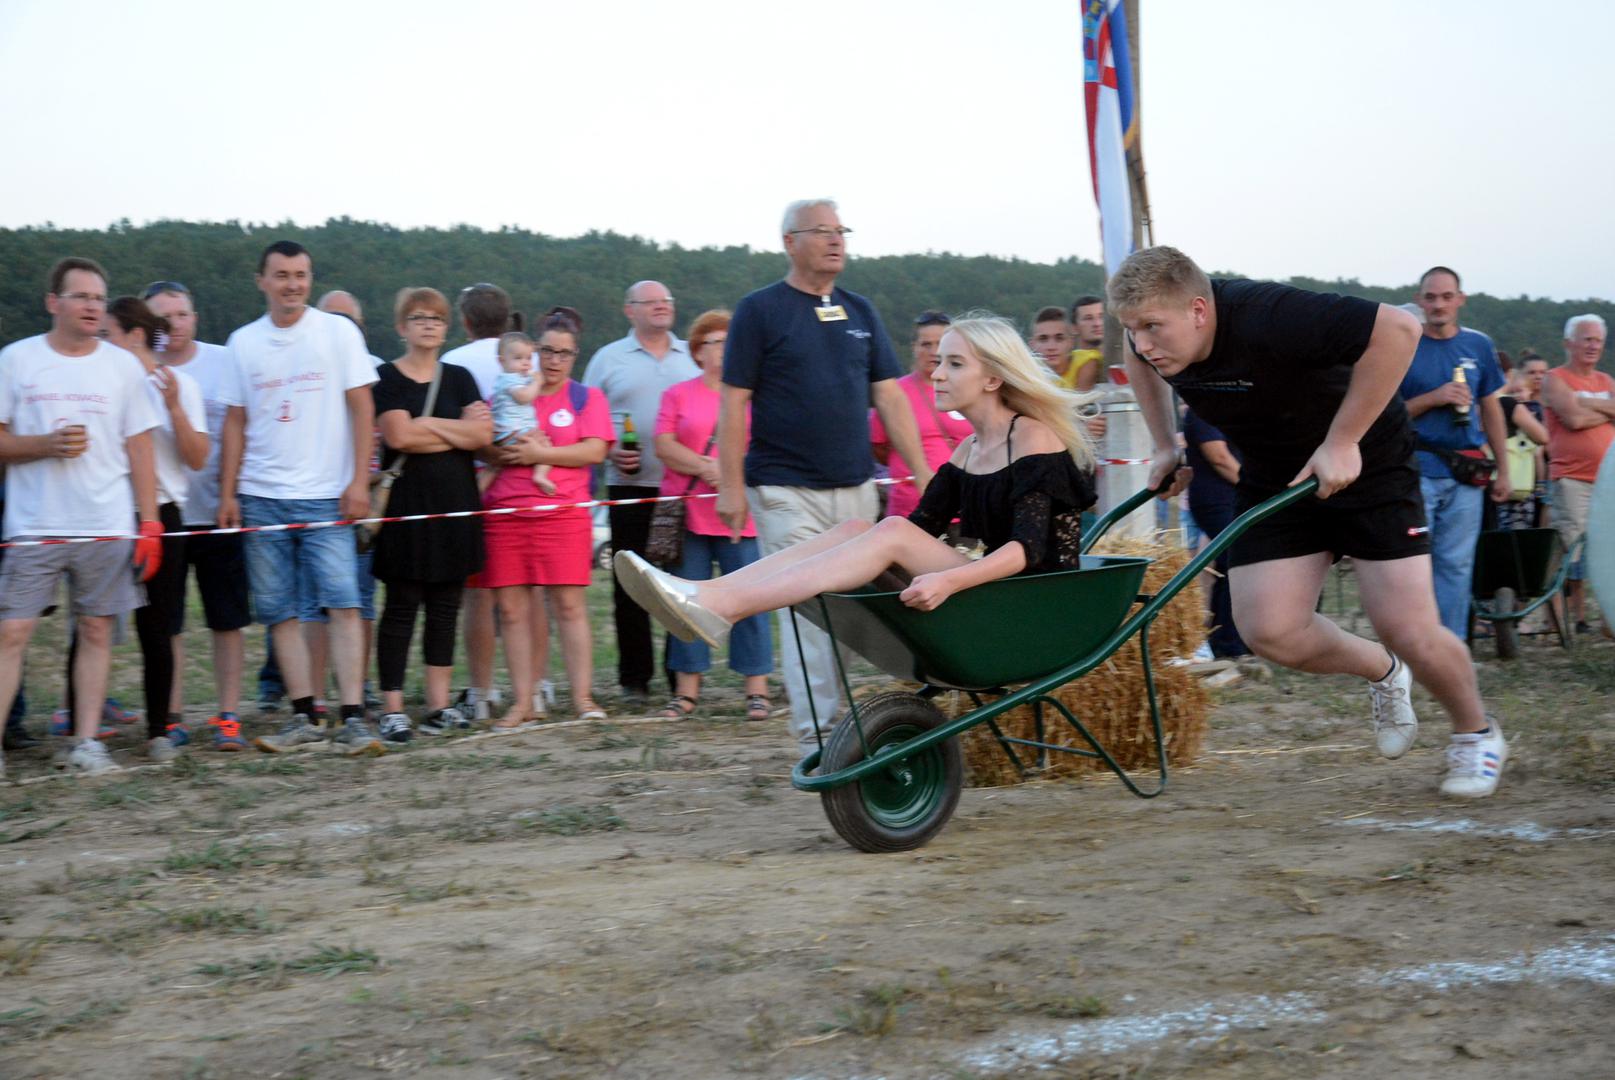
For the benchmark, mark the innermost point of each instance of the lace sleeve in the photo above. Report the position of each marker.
(1047, 500)
(939, 505)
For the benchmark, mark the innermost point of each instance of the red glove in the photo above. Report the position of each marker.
(149, 550)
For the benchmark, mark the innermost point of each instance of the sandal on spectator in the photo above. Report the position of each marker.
(681, 706)
(515, 720)
(758, 707)
(588, 710)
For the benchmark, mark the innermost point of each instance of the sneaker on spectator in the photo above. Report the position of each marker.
(268, 703)
(547, 688)
(1395, 726)
(1203, 654)
(1475, 763)
(227, 733)
(177, 733)
(161, 749)
(61, 724)
(354, 739)
(541, 709)
(435, 723)
(371, 701)
(91, 758)
(298, 733)
(113, 714)
(395, 728)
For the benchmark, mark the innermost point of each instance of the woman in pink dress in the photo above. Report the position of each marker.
(533, 552)
(940, 432)
(685, 443)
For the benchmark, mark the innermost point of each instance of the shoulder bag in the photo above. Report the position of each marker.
(381, 484)
(664, 546)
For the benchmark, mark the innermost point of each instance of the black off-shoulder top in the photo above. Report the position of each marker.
(1037, 500)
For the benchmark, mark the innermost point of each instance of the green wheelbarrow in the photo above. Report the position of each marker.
(890, 773)
(1516, 572)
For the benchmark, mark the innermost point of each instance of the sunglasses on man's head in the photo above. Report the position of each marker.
(932, 318)
(157, 287)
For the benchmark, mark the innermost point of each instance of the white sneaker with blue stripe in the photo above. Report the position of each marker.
(1475, 763)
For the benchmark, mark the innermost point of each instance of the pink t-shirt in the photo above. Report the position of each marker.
(689, 412)
(515, 486)
(937, 442)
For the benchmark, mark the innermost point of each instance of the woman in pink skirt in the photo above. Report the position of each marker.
(534, 551)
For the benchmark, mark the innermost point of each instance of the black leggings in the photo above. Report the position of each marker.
(397, 624)
(154, 626)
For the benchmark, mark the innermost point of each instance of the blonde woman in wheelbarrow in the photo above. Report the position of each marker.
(1019, 483)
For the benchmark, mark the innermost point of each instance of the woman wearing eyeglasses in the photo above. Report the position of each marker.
(686, 443)
(940, 431)
(538, 551)
(425, 563)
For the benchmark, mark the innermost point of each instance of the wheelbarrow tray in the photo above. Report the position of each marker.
(1525, 560)
(1009, 631)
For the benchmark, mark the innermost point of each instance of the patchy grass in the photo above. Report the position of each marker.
(37, 1021)
(326, 961)
(216, 857)
(214, 919)
(575, 820)
(437, 763)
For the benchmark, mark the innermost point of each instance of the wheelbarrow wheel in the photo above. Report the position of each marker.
(1505, 629)
(902, 807)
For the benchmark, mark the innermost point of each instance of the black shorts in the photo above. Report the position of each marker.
(221, 576)
(1392, 528)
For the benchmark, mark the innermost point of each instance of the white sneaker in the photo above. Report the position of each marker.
(91, 758)
(541, 709)
(1203, 654)
(1475, 763)
(1395, 726)
(161, 749)
(547, 688)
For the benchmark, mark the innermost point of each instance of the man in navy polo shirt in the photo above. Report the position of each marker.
(1449, 416)
(809, 359)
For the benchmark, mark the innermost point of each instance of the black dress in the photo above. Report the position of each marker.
(448, 550)
(1037, 500)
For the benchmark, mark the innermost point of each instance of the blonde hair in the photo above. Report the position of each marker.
(1027, 387)
(1156, 275)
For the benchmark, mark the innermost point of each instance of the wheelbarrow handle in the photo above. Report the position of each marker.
(1235, 529)
(1121, 510)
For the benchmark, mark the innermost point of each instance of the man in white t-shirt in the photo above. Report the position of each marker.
(221, 569)
(485, 313)
(75, 436)
(296, 449)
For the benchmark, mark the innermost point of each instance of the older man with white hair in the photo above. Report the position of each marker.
(632, 372)
(1581, 427)
(808, 358)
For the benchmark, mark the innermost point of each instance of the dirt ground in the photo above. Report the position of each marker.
(654, 900)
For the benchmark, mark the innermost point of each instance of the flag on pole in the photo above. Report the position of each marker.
(1112, 122)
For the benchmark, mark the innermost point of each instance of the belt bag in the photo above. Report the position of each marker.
(1472, 467)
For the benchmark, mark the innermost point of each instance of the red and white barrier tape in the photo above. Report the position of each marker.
(306, 525)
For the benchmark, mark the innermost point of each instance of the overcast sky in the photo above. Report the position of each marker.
(1364, 140)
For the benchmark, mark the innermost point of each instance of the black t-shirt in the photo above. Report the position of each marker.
(1278, 371)
(438, 483)
(810, 381)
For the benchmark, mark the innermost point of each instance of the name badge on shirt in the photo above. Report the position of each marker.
(831, 313)
(561, 418)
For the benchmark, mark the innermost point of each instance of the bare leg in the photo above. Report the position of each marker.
(515, 618)
(318, 646)
(757, 684)
(539, 614)
(437, 686)
(345, 634)
(229, 657)
(864, 551)
(14, 635)
(479, 636)
(291, 653)
(687, 684)
(1274, 604)
(764, 568)
(572, 620)
(1399, 599)
(90, 670)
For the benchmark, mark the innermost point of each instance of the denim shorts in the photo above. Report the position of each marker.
(309, 609)
(287, 567)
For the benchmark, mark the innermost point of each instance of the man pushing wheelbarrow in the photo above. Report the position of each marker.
(1305, 384)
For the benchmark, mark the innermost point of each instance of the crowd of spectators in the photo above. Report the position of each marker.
(120, 428)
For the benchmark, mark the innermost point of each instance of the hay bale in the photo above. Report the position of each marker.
(1111, 700)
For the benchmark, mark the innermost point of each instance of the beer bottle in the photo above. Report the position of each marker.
(1460, 413)
(630, 440)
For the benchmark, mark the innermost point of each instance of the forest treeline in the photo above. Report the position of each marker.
(372, 261)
